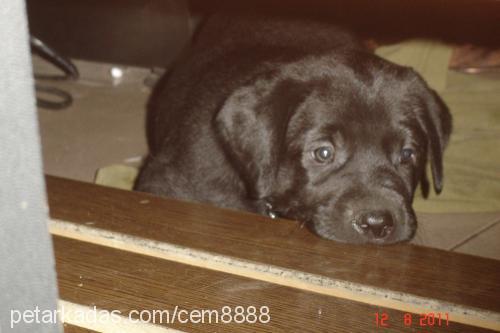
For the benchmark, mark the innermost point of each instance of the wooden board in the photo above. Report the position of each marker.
(111, 279)
(403, 277)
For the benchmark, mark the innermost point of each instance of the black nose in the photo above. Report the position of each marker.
(377, 223)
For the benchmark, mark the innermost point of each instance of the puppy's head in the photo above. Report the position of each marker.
(339, 143)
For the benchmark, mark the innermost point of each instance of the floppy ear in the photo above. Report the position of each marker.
(436, 120)
(252, 125)
(424, 181)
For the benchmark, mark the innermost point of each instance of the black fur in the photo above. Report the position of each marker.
(237, 122)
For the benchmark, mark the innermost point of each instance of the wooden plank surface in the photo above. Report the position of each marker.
(111, 279)
(430, 273)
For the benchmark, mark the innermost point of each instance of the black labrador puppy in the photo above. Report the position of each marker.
(296, 119)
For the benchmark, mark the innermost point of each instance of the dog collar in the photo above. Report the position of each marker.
(269, 211)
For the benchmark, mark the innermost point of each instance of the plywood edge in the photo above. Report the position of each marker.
(100, 320)
(277, 275)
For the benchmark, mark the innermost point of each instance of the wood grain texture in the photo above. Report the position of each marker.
(111, 279)
(436, 274)
(274, 274)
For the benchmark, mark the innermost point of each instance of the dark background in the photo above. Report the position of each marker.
(151, 33)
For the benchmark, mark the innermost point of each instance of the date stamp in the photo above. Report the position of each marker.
(430, 319)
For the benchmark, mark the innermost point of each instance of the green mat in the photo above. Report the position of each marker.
(117, 176)
(472, 160)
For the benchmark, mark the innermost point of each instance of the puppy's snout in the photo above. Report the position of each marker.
(375, 224)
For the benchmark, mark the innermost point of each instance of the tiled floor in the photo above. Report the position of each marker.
(472, 233)
(104, 126)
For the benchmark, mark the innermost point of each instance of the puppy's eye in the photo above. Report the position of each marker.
(323, 154)
(407, 155)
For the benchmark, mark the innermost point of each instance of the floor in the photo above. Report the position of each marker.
(104, 126)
